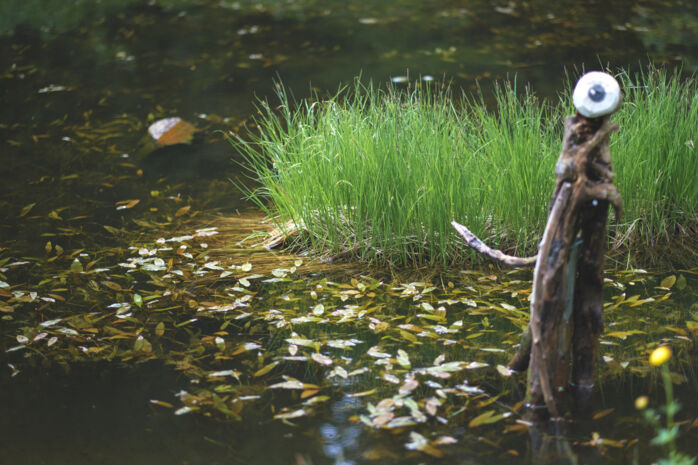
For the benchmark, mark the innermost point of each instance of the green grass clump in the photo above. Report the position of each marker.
(378, 175)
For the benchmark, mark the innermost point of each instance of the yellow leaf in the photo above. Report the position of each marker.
(266, 369)
(160, 329)
(308, 393)
(183, 211)
(54, 215)
(481, 419)
(602, 413)
(123, 204)
(408, 336)
(26, 209)
(364, 393)
(162, 403)
(487, 418)
(668, 282)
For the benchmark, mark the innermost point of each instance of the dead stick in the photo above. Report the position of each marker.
(497, 255)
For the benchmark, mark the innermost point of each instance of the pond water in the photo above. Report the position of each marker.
(138, 326)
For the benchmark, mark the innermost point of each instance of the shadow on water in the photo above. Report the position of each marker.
(102, 414)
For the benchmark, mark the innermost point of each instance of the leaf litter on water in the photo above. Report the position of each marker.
(240, 339)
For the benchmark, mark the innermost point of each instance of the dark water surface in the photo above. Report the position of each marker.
(80, 82)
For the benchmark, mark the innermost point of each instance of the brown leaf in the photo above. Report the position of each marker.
(602, 413)
(183, 210)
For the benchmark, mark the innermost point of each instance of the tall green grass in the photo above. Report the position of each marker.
(378, 175)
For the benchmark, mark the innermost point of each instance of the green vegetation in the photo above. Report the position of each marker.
(378, 175)
(669, 432)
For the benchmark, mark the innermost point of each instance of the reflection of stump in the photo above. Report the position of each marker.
(567, 300)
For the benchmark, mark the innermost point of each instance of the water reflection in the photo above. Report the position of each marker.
(341, 436)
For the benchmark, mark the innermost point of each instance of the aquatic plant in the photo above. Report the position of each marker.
(378, 175)
(668, 432)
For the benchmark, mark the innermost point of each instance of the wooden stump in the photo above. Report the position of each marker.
(566, 301)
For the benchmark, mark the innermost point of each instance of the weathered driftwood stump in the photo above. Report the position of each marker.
(566, 301)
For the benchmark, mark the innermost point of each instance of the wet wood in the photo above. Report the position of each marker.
(566, 301)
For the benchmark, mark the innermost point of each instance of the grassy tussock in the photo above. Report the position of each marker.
(378, 175)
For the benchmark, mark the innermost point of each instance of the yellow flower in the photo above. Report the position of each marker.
(660, 355)
(641, 402)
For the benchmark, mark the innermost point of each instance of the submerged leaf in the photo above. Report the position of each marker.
(668, 282)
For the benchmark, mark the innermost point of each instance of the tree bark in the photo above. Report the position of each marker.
(567, 299)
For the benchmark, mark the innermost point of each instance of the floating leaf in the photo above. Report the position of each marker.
(403, 359)
(338, 371)
(224, 373)
(279, 272)
(125, 204)
(290, 383)
(318, 310)
(602, 413)
(321, 359)
(161, 403)
(266, 369)
(76, 266)
(487, 418)
(476, 365)
(184, 410)
(364, 393)
(624, 334)
(504, 371)
(417, 441)
(182, 211)
(668, 282)
(376, 351)
(408, 386)
(26, 209)
(171, 131)
(246, 347)
(300, 341)
(290, 415)
(445, 440)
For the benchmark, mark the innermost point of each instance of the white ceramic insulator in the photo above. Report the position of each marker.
(596, 94)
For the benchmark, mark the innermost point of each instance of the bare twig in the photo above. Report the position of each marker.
(497, 255)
